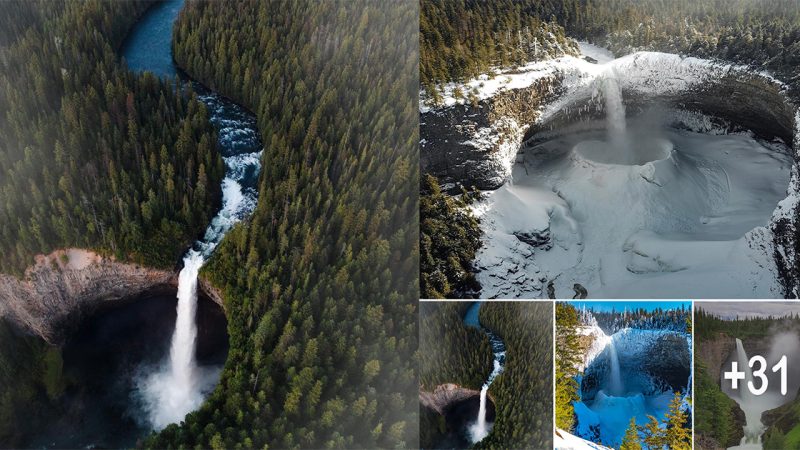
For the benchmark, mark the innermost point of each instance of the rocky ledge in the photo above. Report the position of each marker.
(445, 395)
(474, 145)
(68, 284)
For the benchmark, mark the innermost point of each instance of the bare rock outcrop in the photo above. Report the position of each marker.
(67, 284)
(445, 395)
(714, 352)
(476, 145)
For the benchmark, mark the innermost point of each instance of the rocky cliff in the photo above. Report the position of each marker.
(474, 145)
(68, 284)
(445, 395)
(714, 352)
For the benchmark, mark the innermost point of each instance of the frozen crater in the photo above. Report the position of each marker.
(635, 206)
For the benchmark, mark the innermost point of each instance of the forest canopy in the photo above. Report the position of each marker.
(320, 284)
(91, 154)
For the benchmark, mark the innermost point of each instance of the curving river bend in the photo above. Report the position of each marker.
(144, 364)
(179, 386)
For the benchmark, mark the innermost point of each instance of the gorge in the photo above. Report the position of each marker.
(627, 176)
(126, 314)
(482, 427)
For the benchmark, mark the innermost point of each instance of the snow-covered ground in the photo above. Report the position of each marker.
(691, 223)
(599, 54)
(635, 395)
(688, 218)
(646, 72)
(568, 441)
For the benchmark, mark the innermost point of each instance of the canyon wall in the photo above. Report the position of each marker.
(445, 395)
(474, 145)
(66, 285)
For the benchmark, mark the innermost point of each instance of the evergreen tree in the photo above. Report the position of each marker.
(678, 434)
(568, 356)
(631, 439)
(449, 239)
(654, 437)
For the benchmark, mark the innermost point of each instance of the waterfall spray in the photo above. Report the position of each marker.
(615, 109)
(615, 115)
(616, 387)
(481, 428)
(178, 387)
(753, 427)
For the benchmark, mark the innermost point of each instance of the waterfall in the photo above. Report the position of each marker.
(179, 388)
(616, 387)
(169, 392)
(481, 428)
(183, 340)
(753, 428)
(615, 109)
(615, 116)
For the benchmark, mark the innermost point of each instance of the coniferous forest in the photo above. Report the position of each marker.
(92, 155)
(462, 39)
(453, 352)
(320, 285)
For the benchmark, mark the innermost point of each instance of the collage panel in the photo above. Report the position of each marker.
(486, 378)
(747, 374)
(623, 374)
(598, 149)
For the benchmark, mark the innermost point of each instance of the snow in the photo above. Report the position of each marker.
(503, 138)
(652, 73)
(599, 342)
(599, 54)
(639, 396)
(691, 224)
(568, 441)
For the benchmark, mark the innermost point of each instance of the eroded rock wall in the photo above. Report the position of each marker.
(68, 284)
(476, 145)
(445, 395)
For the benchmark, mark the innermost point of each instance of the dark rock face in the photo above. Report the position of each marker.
(54, 296)
(477, 145)
(670, 361)
(714, 352)
(474, 146)
(445, 395)
(447, 412)
(536, 238)
(743, 101)
(665, 360)
(444, 154)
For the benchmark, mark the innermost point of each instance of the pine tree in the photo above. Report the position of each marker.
(654, 436)
(678, 435)
(568, 356)
(631, 439)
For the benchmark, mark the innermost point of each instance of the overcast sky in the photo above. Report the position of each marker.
(730, 310)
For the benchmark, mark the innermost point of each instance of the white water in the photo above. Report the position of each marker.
(753, 427)
(481, 427)
(755, 405)
(615, 115)
(624, 391)
(180, 387)
(615, 382)
(480, 430)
